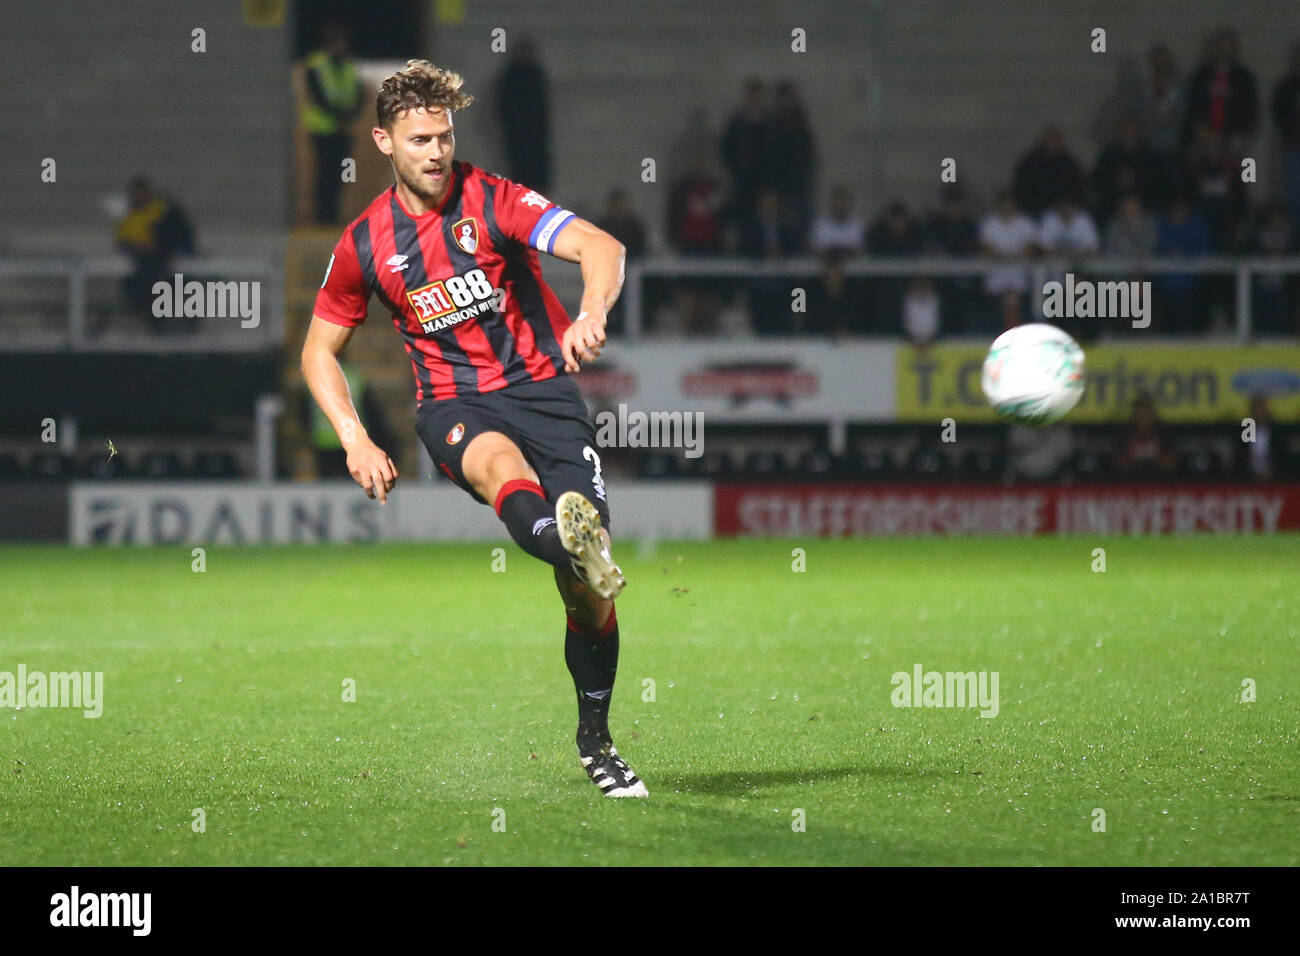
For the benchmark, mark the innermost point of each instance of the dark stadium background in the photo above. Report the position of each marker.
(878, 96)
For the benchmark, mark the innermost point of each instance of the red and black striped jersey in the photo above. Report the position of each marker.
(462, 282)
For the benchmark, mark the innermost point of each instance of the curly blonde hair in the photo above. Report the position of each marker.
(419, 85)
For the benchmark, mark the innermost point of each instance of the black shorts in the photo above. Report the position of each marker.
(548, 422)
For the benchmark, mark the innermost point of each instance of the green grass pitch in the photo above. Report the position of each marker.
(1119, 691)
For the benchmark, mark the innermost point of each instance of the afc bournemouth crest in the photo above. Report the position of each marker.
(465, 232)
(456, 434)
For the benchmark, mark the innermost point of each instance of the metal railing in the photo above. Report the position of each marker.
(76, 272)
(1039, 273)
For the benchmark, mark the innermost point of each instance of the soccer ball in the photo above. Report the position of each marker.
(1033, 374)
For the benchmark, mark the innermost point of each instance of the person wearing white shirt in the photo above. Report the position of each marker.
(839, 230)
(1068, 230)
(1007, 233)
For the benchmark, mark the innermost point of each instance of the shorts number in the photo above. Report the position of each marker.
(597, 481)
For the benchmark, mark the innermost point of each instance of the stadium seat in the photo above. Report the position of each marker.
(101, 466)
(874, 463)
(1090, 464)
(52, 465)
(818, 463)
(160, 464)
(764, 464)
(984, 465)
(927, 463)
(215, 464)
(657, 465)
(1200, 463)
(714, 464)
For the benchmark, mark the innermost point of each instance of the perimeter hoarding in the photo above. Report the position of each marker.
(1189, 383)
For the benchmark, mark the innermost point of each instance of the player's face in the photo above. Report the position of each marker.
(421, 145)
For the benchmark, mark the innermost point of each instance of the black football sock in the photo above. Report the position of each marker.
(592, 656)
(530, 519)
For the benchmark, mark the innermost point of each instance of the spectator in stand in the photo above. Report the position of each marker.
(1039, 454)
(1046, 173)
(1273, 311)
(524, 108)
(334, 99)
(1007, 233)
(1215, 173)
(788, 159)
(622, 222)
(153, 232)
(1161, 105)
(1145, 452)
(744, 143)
(766, 236)
(1181, 233)
(922, 312)
(1286, 116)
(833, 307)
(1125, 166)
(1132, 233)
(839, 229)
(895, 234)
(953, 231)
(1260, 459)
(1067, 230)
(694, 208)
(1222, 94)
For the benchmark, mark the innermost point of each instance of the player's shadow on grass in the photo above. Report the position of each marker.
(737, 783)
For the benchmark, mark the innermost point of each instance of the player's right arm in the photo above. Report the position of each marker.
(372, 469)
(340, 308)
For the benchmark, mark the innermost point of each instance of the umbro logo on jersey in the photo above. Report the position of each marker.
(534, 198)
(397, 263)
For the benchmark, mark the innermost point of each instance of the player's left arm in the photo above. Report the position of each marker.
(601, 257)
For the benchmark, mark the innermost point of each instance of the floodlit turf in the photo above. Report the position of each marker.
(1118, 691)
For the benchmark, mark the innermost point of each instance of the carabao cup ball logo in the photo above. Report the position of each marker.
(1034, 374)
